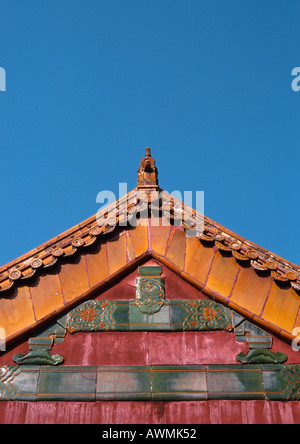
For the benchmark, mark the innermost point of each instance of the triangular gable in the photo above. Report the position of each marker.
(209, 265)
(51, 279)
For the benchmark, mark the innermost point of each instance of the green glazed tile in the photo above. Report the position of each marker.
(274, 382)
(282, 382)
(234, 382)
(150, 270)
(119, 316)
(37, 357)
(123, 383)
(40, 343)
(164, 383)
(261, 356)
(199, 314)
(97, 315)
(178, 315)
(259, 341)
(62, 321)
(150, 294)
(50, 329)
(159, 321)
(67, 383)
(178, 383)
(19, 383)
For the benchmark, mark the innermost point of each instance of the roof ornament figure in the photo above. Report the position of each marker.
(147, 173)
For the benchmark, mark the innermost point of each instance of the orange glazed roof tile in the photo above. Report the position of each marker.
(77, 264)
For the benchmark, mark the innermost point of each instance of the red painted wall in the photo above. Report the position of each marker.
(184, 412)
(151, 348)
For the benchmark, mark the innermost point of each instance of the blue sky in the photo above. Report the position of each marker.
(205, 84)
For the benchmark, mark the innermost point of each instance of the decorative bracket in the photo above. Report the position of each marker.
(150, 290)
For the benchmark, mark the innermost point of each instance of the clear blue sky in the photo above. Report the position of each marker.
(205, 84)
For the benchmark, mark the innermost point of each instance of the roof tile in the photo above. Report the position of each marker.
(198, 259)
(139, 238)
(116, 254)
(176, 251)
(74, 279)
(159, 235)
(281, 307)
(251, 290)
(97, 265)
(46, 295)
(222, 274)
(16, 311)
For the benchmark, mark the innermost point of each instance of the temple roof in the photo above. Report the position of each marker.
(148, 223)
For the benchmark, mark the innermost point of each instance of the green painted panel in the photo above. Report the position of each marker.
(178, 315)
(99, 316)
(19, 383)
(282, 382)
(178, 383)
(150, 294)
(199, 315)
(67, 383)
(144, 314)
(234, 382)
(149, 270)
(40, 343)
(169, 382)
(123, 383)
(159, 321)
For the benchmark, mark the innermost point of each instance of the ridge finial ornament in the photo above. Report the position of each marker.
(147, 173)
